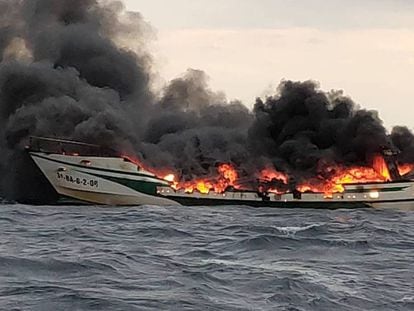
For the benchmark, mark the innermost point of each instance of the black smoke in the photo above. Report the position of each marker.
(64, 73)
(194, 128)
(304, 130)
(68, 70)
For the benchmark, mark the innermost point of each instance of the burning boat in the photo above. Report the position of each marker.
(92, 174)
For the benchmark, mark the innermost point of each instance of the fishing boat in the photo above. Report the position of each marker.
(88, 173)
(92, 174)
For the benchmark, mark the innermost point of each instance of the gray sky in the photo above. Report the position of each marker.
(246, 47)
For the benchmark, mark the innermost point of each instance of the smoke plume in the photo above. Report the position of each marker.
(67, 70)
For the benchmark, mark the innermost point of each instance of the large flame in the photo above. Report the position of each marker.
(352, 175)
(271, 180)
(226, 177)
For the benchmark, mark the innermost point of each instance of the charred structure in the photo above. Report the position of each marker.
(390, 156)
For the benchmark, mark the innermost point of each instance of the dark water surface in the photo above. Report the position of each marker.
(205, 258)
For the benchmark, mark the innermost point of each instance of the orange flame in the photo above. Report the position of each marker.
(380, 166)
(227, 176)
(270, 174)
(404, 169)
(354, 175)
(228, 173)
(169, 178)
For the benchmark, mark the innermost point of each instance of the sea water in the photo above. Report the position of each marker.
(205, 258)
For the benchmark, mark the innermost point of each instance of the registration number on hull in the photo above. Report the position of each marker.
(77, 180)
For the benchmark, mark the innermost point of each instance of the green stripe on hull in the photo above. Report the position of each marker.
(137, 185)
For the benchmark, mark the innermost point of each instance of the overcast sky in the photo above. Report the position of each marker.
(246, 47)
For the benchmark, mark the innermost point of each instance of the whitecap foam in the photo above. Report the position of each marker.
(293, 230)
(407, 298)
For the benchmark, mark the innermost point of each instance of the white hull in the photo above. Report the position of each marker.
(94, 185)
(115, 181)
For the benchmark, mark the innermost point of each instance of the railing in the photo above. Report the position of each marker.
(64, 146)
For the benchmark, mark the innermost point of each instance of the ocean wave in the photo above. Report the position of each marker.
(293, 276)
(262, 242)
(175, 258)
(291, 231)
(48, 266)
(166, 232)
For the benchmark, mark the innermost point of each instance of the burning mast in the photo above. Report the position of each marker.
(390, 157)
